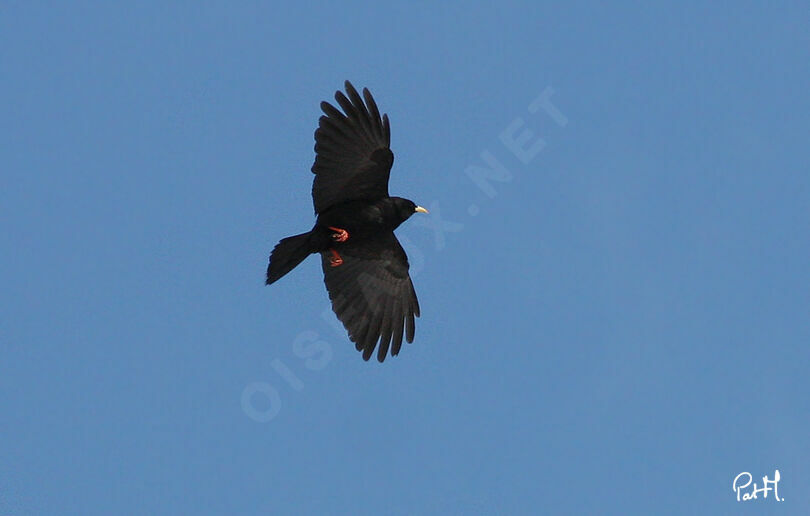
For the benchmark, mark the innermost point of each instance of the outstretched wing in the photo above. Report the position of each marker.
(372, 294)
(353, 159)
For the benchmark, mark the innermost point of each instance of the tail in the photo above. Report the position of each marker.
(287, 255)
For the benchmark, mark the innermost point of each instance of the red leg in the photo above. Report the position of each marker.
(335, 260)
(340, 235)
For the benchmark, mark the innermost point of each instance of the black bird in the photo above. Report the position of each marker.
(364, 266)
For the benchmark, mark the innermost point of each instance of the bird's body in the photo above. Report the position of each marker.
(365, 268)
(363, 219)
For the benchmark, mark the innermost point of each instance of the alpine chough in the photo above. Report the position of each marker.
(364, 266)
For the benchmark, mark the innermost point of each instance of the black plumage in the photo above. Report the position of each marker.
(365, 268)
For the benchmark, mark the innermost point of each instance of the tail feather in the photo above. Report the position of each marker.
(287, 255)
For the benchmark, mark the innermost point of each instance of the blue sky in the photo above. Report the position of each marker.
(619, 326)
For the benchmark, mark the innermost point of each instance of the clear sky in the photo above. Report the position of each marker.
(616, 318)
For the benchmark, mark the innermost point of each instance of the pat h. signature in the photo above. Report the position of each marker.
(745, 491)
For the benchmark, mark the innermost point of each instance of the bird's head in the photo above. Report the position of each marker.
(405, 208)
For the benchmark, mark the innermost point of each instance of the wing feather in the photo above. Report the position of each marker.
(353, 158)
(372, 294)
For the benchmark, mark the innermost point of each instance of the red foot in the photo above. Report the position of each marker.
(340, 235)
(335, 260)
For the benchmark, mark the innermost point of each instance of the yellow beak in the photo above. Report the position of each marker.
(420, 209)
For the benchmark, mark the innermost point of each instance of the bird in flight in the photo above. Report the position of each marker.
(364, 266)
